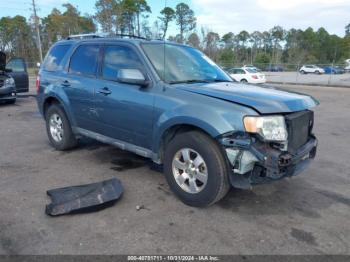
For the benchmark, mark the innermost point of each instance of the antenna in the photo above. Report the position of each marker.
(164, 59)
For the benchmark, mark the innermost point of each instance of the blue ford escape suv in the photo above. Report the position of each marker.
(172, 104)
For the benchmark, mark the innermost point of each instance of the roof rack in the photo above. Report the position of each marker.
(83, 36)
(87, 36)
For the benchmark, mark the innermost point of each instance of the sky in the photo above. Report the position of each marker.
(224, 16)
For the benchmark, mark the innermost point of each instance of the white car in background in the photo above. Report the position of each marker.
(311, 69)
(347, 67)
(247, 75)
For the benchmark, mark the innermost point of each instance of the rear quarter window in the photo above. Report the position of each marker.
(55, 56)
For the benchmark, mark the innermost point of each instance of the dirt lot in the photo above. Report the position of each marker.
(309, 214)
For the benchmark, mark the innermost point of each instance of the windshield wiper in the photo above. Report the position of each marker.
(190, 81)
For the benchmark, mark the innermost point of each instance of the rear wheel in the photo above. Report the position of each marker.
(58, 128)
(195, 169)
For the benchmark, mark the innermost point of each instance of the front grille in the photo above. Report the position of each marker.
(299, 126)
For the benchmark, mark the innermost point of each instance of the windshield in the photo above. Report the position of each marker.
(181, 64)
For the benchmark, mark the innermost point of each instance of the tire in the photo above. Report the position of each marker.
(244, 81)
(215, 164)
(303, 72)
(317, 72)
(67, 138)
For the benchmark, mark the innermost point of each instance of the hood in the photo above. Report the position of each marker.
(265, 100)
(2, 61)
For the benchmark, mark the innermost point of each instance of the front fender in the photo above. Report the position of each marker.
(213, 122)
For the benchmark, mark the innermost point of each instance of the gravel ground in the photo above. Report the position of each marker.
(308, 214)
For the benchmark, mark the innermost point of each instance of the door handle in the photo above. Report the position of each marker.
(65, 83)
(105, 91)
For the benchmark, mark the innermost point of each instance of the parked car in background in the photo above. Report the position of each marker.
(7, 83)
(334, 70)
(177, 108)
(311, 69)
(347, 67)
(247, 75)
(274, 68)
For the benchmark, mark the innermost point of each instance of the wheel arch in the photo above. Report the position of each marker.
(50, 100)
(169, 132)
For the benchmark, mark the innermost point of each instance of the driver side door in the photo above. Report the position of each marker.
(19, 73)
(124, 111)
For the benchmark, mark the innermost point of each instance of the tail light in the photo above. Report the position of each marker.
(37, 83)
(254, 77)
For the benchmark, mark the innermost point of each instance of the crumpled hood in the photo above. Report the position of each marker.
(265, 100)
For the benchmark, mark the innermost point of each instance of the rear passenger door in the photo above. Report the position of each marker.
(79, 84)
(124, 111)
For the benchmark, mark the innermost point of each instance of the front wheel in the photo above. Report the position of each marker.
(244, 81)
(196, 169)
(58, 128)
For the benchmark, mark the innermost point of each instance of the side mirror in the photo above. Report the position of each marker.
(132, 77)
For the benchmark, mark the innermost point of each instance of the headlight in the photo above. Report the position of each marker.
(271, 128)
(9, 81)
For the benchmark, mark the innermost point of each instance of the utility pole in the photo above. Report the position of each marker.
(36, 24)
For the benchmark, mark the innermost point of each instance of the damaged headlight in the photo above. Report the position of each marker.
(271, 128)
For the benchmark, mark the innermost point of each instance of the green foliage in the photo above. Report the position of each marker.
(185, 19)
(59, 25)
(168, 15)
(194, 41)
(122, 16)
(17, 38)
(226, 57)
(262, 58)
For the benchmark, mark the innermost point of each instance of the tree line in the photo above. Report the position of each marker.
(275, 46)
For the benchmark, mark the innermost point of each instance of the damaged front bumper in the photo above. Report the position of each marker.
(7, 93)
(256, 162)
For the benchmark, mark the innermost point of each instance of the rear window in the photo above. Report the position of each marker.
(54, 58)
(252, 71)
(84, 60)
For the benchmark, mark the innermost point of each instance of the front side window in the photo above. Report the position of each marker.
(176, 64)
(16, 65)
(55, 56)
(84, 60)
(116, 58)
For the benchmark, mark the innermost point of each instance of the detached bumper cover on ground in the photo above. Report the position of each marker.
(84, 198)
